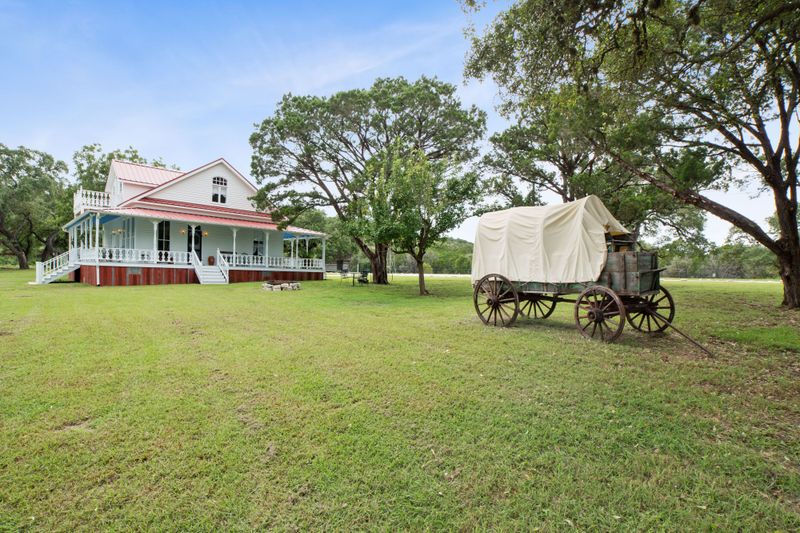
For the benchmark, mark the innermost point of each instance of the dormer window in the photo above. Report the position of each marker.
(219, 190)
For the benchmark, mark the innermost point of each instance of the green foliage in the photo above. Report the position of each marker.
(549, 150)
(33, 199)
(339, 244)
(92, 164)
(704, 88)
(333, 151)
(737, 258)
(431, 199)
(450, 256)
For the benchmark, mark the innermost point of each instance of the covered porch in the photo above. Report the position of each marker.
(170, 246)
(118, 239)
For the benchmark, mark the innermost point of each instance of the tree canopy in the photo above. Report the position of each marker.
(704, 84)
(92, 164)
(33, 192)
(430, 199)
(547, 151)
(318, 151)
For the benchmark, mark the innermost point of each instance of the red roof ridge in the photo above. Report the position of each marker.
(220, 208)
(125, 161)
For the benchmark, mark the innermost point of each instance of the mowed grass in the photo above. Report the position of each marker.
(340, 407)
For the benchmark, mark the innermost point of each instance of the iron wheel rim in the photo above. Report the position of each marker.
(496, 301)
(600, 314)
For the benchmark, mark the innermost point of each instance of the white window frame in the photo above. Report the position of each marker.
(219, 190)
(258, 246)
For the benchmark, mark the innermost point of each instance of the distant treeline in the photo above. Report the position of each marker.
(730, 260)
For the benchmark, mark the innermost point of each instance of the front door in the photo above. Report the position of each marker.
(198, 241)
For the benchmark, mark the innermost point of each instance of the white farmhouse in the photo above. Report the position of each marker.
(158, 226)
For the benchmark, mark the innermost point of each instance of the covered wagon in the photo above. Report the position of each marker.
(528, 259)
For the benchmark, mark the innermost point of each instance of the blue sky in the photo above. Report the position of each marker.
(187, 81)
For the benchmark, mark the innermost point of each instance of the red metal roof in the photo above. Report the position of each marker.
(143, 174)
(189, 217)
(221, 209)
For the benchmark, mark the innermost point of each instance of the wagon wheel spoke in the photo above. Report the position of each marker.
(496, 301)
(645, 320)
(600, 308)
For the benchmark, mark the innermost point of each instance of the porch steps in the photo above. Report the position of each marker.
(55, 274)
(211, 275)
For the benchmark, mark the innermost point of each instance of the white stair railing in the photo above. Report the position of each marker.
(46, 268)
(223, 266)
(198, 266)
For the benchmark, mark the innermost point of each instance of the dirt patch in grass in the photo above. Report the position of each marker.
(77, 425)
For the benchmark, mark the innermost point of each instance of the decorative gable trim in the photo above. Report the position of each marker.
(189, 174)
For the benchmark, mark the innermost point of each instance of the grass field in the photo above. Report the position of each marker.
(225, 407)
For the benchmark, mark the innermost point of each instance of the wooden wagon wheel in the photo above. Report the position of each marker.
(660, 303)
(496, 300)
(599, 314)
(540, 306)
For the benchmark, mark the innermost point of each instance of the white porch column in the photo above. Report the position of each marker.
(266, 249)
(233, 258)
(155, 240)
(191, 228)
(323, 253)
(97, 248)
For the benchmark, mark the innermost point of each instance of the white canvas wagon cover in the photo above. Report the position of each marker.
(563, 243)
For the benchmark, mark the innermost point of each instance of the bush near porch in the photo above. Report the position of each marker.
(367, 407)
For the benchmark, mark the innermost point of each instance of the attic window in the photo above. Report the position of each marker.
(219, 190)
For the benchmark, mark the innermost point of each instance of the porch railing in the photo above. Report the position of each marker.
(136, 255)
(83, 200)
(143, 256)
(291, 263)
(223, 265)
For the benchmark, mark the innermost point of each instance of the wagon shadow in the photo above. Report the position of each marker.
(629, 337)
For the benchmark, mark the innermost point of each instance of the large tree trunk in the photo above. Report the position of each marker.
(790, 275)
(48, 250)
(22, 259)
(378, 261)
(421, 275)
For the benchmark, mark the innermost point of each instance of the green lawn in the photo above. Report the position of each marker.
(225, 407)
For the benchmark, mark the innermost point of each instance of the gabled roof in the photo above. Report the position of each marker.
(143, 174)
(191, 217)
(180, 177)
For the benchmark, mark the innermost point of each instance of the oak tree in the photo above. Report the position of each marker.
(721, 77)
(316, 151)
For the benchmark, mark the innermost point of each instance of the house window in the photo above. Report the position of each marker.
(258, 248)
(219, 190)
(163, 236)
(128, 228)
